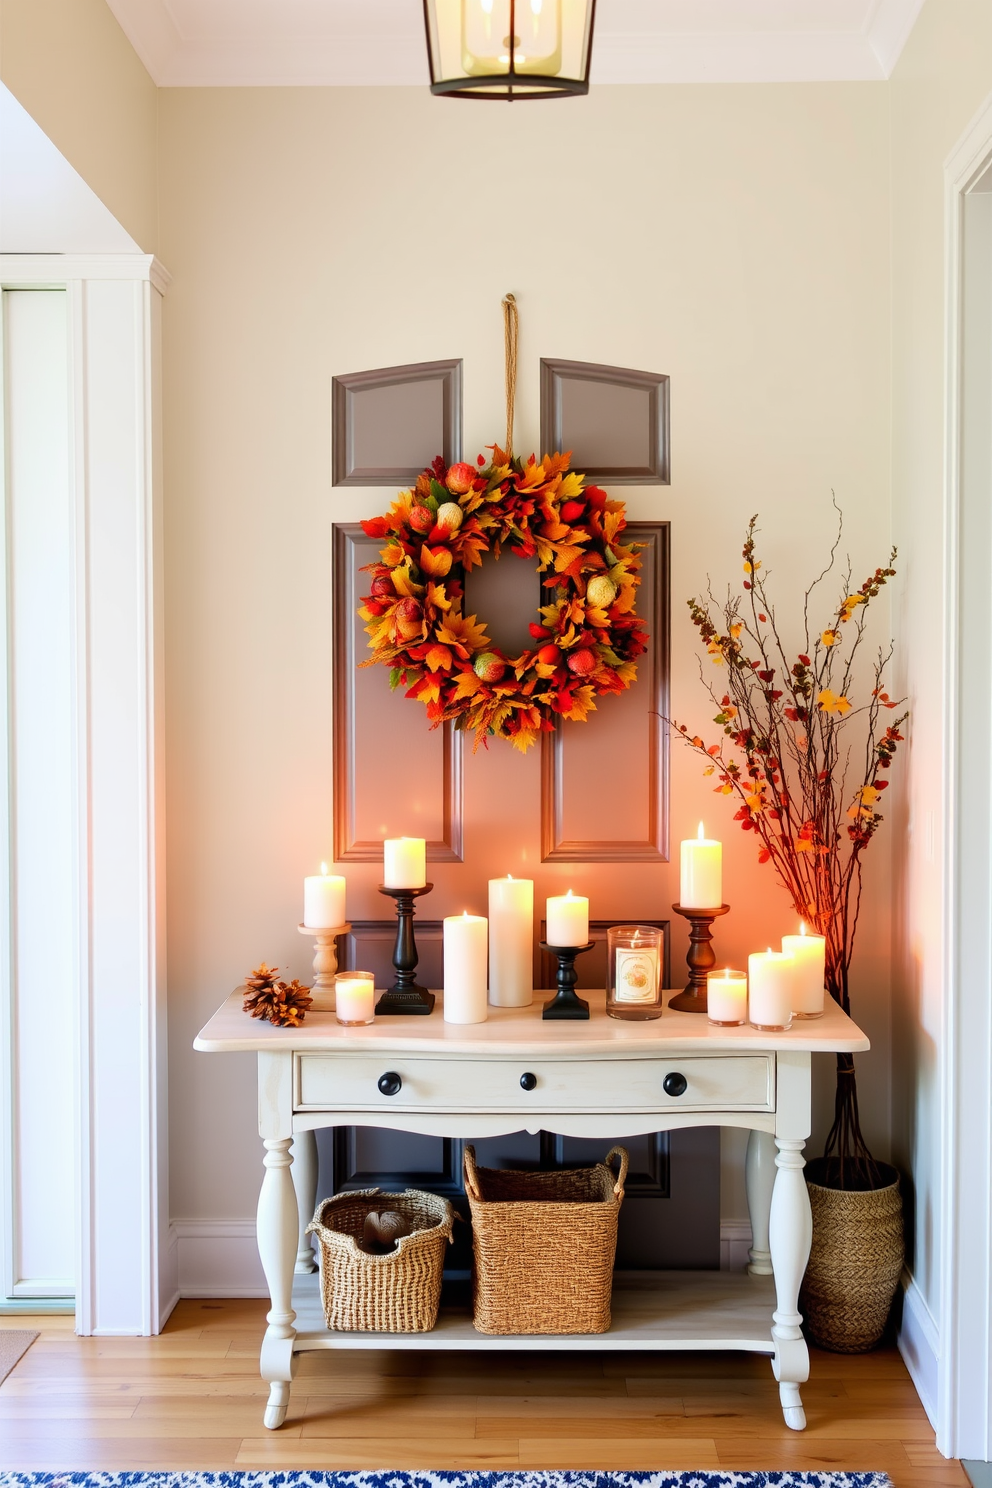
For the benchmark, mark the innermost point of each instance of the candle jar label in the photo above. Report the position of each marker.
(636, 976)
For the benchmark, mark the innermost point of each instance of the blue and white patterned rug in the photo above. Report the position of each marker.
(389, 1479)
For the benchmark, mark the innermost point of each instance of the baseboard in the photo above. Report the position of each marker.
(735, 1242)
(218, 1258)
(919, 1344)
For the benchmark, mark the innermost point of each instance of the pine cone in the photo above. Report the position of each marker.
(291, 1008)
(262, 978)
(262, 1003)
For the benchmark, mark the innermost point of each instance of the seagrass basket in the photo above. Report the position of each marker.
(854, 1264)
(394, 1293)
(544, 1246)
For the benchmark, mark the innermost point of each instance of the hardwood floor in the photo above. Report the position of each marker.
(192, 1398)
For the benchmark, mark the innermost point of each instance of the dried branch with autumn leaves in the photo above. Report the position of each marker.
(805, 762)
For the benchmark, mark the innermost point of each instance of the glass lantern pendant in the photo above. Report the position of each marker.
(509, 49)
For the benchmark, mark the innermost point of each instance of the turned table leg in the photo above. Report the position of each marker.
(304, 1171)
(278, 1240)
(759, 1175)
(790, 1234)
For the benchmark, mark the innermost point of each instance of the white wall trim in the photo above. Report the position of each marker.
(218, 1258)
(919, 1344)
(735, 1242)
(55, 270)
(964, 1240)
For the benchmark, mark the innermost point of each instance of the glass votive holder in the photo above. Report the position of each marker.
(726, 998)
(354, 996)
(633, 974)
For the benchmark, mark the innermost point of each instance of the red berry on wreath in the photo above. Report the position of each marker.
(572, 510)
(582, 663)
(421, 518)
(549, 656)
(382, 585)
(459, 478)
(449, 517)
(538, 631)
(489, 666)
(409, 619)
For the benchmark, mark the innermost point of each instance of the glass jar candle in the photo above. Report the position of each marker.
(633, 977)
(726, 998)
(354, 996)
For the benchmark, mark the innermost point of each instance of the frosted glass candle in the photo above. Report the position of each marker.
(810, 953)
(567, 920)
(323, 900)
(405, 863)
(701, 880)
(466, 958)
(354, 997)
(511, 941)
(770, 976)
(726, 997)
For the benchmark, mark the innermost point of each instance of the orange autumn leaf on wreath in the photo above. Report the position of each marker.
(436, 562)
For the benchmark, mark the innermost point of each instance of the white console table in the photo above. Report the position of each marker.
(599, 1078)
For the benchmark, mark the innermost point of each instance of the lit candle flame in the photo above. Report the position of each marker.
(802, 927)
(323, 870)
(701, 834)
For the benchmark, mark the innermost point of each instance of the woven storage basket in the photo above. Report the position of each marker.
(394, 1293)
(544, 1245)
(854, 1264)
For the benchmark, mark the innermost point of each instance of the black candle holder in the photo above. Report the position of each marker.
(701, 958)
(405, 996)
(565, 1004)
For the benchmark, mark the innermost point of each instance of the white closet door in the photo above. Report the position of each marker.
(37, 1036)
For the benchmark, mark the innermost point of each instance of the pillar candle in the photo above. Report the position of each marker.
(405, 865)
(567, 920)
(323, 900)
(726, 997)
(701, 883)
(465, 966)
(511, 941)
(770, 976)
(354, 997)
(810, 952)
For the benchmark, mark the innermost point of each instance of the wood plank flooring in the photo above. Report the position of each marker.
(192, 1398)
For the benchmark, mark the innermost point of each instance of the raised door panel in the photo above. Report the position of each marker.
(390, 423)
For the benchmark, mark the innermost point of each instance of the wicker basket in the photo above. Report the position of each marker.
(544, 1245)
(854, 1265)
(394, 1293)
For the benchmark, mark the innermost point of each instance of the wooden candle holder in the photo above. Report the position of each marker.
(405, 996)
(701, 958)
(325, 964)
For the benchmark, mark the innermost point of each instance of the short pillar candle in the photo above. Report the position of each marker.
(323, 900)
(511, 941)
(810, 953)
(404, 863)
(769, 981)
(701, 877)
(466, 964)
(726, 997)
(567, 920)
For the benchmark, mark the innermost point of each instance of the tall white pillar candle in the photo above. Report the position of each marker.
(810, 952)
(511, 941)
(701, 881)
(769, 990)
(465, 967)
(323, 900)
(405, 863)
(567, 920)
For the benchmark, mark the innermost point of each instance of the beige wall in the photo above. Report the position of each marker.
(942, 78)
(73, 69)
(733, 237)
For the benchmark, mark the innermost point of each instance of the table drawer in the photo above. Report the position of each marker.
(350, 1082)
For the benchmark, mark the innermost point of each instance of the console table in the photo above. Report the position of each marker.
(599, 1078)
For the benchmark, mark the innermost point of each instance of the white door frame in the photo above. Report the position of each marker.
(964, 1368)
(124, 1268)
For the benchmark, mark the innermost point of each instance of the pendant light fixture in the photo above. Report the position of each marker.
(509, 49)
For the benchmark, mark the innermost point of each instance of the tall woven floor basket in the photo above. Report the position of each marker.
(544, 1246)
(854, 1264)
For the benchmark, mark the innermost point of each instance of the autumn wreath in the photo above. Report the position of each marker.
(587, 636)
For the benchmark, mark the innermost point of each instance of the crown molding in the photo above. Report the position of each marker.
(738, 46)
(57, 269)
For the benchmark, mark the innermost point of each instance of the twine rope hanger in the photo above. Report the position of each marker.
(511, 330)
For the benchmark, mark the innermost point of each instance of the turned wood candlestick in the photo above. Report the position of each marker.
(325, 965)
(405, 995)
(565, 1004)
(701, 957)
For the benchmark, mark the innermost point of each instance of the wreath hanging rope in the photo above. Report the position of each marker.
(586, 637)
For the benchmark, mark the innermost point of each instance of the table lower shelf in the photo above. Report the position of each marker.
(673, 1310)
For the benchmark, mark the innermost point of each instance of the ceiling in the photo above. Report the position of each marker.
(355, 43)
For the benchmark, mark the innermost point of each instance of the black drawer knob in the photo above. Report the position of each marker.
(390, 1083)
(528, 1081)
(673, 1084)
